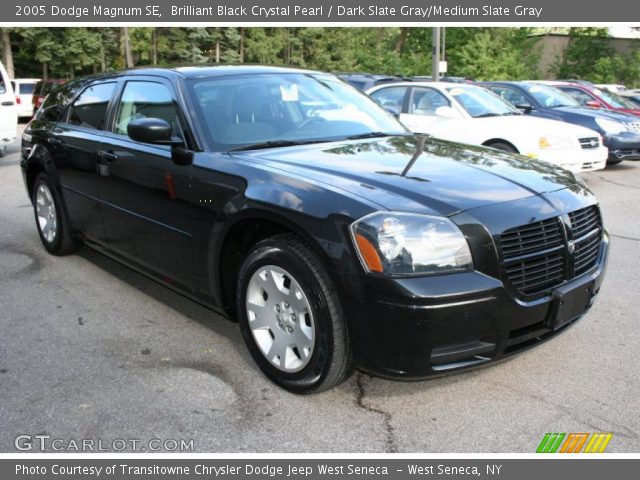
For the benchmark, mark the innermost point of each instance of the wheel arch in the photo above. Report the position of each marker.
(493, 141)
(38, 161)
(246, 230)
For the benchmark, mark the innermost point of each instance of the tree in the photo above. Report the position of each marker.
(497, 54)
(7, 52)
(587, 46)
(126, 47)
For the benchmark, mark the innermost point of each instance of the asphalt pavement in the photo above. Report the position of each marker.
(90, 350)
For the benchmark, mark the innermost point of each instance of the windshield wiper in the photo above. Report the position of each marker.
(271, 144)
(485, 115)
(368, 135)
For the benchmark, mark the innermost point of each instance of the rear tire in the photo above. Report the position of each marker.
(51, 219)
(291, 318)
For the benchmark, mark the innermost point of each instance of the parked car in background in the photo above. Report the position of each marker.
(286, 200)
(586, 83)
(8, 112)
(596, 97)
(429, 78)
(364, 81)
(632, 97)
(611, 87)
(620, 131)
(474, 115)
(42, 89)
(23, 89)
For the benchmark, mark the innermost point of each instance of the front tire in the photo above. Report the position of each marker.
(51, 220)
(290, 316)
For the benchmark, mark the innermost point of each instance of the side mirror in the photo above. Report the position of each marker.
(157, 131)
(393, 111)
(152, 130)
(593, 104)
(524, 106)
(446, 112)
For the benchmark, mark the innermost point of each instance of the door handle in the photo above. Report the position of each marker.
(107, 157)
(8, 103)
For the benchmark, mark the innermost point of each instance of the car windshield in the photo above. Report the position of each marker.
(614, 100)
(480, 102)
(551, 97)
(286, 108)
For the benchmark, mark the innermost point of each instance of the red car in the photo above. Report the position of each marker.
(597, 98)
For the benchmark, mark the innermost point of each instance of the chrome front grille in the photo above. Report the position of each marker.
(540, 256)
(634, 126)
(589, 142)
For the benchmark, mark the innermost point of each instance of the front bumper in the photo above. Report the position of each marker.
(415, 328)
(625, 146)
(579, 160)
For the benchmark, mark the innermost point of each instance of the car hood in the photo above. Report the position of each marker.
(632, 111)
(536, 126)
(597, 113)
(417, 173)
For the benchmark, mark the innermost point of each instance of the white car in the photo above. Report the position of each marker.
(23, 89)
(611, 87)
(8, 113)
(474, 115)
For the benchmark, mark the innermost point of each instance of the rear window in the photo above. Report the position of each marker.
(27, 88)
(47, 87)
(59, 98)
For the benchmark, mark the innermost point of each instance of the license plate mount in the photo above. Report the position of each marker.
(569, 302)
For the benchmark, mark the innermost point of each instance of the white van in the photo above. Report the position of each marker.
(23, 89)
(8, 112)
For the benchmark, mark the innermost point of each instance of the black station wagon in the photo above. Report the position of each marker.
(293, 203)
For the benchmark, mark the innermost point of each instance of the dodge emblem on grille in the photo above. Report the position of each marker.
(571, 247)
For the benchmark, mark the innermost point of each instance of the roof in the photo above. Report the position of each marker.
(197, 71)
(430, 84)
(201, 71)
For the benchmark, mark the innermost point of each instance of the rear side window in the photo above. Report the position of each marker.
(90, 108)
(47, 87)
(55, 104)
(581, 97)
(511, 95)
(146, 100)
(391, 98)
(27, 88)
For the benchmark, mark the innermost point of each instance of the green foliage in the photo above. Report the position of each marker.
(496, 54)
(590, 56)
(477, 52)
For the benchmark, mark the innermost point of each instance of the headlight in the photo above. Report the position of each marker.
(611, 126)
(551, 142)
(408, 244)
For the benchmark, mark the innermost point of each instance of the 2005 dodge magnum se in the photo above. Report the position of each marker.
(288, 200)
